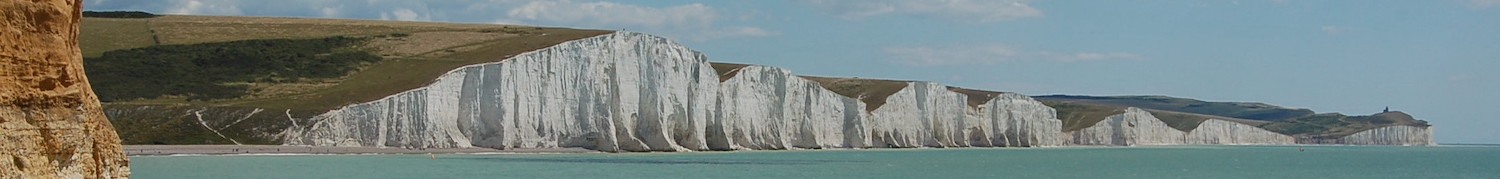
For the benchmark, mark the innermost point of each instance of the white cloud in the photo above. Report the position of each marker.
(962, 55)
(1483, 3)
(207, 7)
(406, 15)
(991, 54)
(971, 11)
(613, 14)
(1089, 56)
(735, 32)
(692, 21)
(1334, 30)
(329, 12)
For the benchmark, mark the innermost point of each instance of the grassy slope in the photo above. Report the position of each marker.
(1077, 116)
(727, 70)
(976, 97)
(1338, 125)
(398, 72)
(420, 53)
(98, 35)
(1254, 111)
(872, 92)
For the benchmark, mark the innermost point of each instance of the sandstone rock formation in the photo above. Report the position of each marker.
(50, 120)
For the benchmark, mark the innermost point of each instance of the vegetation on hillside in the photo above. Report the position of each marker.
(976, 97)
(119, 14)
(1180, 121)
(871, 91)
(1338, 125)
(181, 125)
(727, 70)
(214, 70)
(1253, 111)
(1077, 116)
(165, 69)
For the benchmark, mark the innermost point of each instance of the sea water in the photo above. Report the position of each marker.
(1067, 162)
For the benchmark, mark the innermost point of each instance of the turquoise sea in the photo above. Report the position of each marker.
(1080, 162)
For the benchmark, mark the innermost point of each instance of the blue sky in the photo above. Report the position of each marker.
(1434, 59)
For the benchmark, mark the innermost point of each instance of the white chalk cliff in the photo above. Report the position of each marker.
(635, 92)
(1393, 135)
(615, 92)
(1139, 127)
(1389, 135)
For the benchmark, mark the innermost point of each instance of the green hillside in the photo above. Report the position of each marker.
(165, 70)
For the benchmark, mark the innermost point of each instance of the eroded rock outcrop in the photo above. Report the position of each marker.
(50, 120)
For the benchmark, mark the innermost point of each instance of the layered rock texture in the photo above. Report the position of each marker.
(1139, 127)
(50, 120)
(631, 92)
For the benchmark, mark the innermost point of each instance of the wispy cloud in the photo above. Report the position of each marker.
(1092, 56)
(991, 54)
(692, 21)
(1334, 30)
(696, 21)
(970, 11)
(1484, 3)
(210, 7)
(960, 55)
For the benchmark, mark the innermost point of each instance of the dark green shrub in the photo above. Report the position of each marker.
(205, 71)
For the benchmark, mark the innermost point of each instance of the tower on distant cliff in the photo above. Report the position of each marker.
(1387, 109)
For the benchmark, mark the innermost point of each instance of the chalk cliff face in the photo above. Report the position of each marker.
(930, 115)
(1015, 120)
(1134, 127)
(627, 92)
(616, 92)
(51, 125)
(1139, 127)
(769, 108)
(1221, 132)
(1392, 135)
(635, 92)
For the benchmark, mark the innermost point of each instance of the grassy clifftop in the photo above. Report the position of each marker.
(289, 63)
(247, 77)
